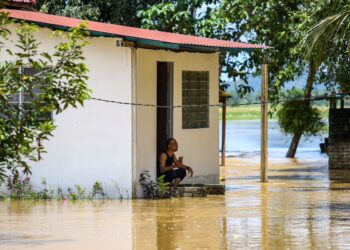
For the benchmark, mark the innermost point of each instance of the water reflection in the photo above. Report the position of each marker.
(303, 206)
(243, 140)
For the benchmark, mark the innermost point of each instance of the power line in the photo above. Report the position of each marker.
(315, 98)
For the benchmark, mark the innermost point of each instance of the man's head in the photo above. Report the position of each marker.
(172, 144)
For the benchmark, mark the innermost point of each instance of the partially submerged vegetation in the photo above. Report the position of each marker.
(154, 189)
(22, 189)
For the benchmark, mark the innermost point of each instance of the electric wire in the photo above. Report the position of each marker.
(314, 98)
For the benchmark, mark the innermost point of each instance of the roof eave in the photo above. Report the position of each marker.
(153, 43)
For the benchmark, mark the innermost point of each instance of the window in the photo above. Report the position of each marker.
(23, 99)
(195, 91)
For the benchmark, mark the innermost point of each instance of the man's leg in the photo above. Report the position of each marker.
(177, 182)
(180, 175)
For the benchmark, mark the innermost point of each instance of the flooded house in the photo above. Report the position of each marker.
(114, 142)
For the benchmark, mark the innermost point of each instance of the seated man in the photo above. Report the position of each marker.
(173, 169)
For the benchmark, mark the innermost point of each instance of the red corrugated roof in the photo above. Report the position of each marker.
(124, 31)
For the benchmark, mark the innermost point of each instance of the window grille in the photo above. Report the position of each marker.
(195, 91)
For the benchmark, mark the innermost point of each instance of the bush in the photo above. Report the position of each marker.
(98, 191)
(152, 189)
(20, 188)
(298, 117)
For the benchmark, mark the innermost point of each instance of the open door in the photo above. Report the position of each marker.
(164, 98)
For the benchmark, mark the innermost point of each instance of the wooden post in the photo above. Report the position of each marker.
(223, 133)
(264, 125)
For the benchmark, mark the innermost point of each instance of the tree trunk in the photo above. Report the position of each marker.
(307, 95)
(293, 146)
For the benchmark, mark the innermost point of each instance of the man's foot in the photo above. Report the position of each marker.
(175, 193)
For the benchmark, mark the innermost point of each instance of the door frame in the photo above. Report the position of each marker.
(168, 101)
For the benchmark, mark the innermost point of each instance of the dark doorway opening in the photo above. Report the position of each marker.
(164, 98)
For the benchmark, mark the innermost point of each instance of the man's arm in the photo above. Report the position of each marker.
(162, 161)
(179, 164)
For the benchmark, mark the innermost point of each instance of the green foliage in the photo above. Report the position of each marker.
(162, 187)
(154, 189)
(297, 117)
(175, 16)
(271, 23)
(60, 194)
(149, 186)
(61, 79)
(4, 31)
(192, 17)
(3, 197)
(332, 27)
(71, 8)
(45, 193)
(72, 195)
(20, 188)
(80, 192)
(268, 22)
(98, 191)
(331, 35)
(118, 12)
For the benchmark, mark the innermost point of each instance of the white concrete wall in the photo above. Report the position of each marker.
(199, 147)
(93, 143)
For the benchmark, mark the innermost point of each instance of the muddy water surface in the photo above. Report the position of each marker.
(304, 206)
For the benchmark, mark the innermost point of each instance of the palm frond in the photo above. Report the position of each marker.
(318, 37)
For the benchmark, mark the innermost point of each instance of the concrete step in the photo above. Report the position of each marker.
(201, 190)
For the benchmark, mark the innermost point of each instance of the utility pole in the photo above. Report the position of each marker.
(264, 119)
(223, 130)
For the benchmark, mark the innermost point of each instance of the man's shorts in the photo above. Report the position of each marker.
(173, 174)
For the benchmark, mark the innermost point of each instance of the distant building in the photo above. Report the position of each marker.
(339, 138)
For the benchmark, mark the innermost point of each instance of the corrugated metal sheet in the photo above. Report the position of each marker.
(150, 37)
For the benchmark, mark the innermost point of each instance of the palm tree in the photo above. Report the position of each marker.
(332, 29)
(329, 39)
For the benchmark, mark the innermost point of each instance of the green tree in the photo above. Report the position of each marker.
(122, 12)
(332, 34)
(283, 26)
(182, 16)
(191, 17)
(34, 84)
(297, 117)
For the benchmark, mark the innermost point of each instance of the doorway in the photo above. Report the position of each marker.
(164, 98)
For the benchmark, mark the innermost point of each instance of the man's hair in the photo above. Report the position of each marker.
(169, 141)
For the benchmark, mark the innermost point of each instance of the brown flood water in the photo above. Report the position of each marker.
(302, 207)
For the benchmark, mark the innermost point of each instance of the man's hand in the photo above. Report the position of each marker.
(189, 169)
